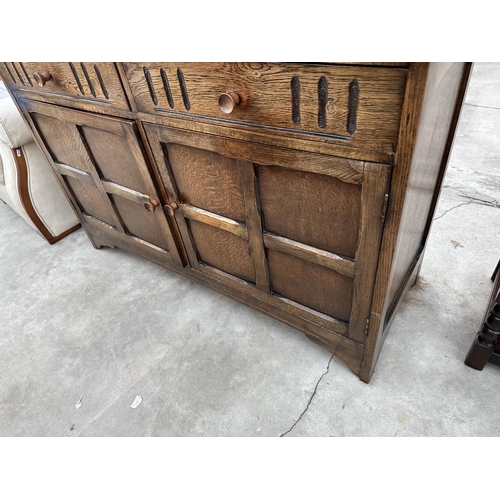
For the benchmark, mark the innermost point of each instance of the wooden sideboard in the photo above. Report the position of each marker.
(303, 190)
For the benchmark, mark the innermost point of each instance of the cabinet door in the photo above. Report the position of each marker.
(104, 170)
(299, 230)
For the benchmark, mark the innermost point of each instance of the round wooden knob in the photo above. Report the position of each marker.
(228, 102)
(171, 208)
(42, 78)
(152, 204)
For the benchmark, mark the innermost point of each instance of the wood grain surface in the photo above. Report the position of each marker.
(311, 200)
(267, 98)
(301, 205)
(87, 80)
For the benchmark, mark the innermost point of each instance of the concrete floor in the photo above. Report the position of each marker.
(109, 326)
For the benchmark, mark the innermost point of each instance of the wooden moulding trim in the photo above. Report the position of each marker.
(79, 118)
(314, 316)
(373, 194)
(327, 259)
(107, 236)
(332, 324)
(98, 223)
(346, 170)
(218, 221)
(254, 225)
(75, 173)
(106, 227)
(24, 195)
(312, 144)
(124, 192)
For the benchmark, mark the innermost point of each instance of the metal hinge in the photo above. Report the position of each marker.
(367, 326)
(384, 206)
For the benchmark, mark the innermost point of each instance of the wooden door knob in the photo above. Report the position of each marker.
(42, 78)
(228, 101)
(152, 204)
(171, 208)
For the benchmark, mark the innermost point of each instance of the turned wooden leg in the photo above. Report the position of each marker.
(485, 341)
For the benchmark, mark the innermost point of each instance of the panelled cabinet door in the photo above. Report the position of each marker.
(299, 230)
(104, 169)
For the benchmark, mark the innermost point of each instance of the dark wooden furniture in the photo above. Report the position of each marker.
(485, 347)
(303, 190)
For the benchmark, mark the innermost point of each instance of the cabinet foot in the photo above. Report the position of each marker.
(98, 243)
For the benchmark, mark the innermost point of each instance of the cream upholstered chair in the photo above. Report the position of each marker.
(27, 184)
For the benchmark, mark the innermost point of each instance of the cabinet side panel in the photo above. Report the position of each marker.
(432, 105)
(427, 170)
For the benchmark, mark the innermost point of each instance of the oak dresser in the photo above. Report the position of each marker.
(303, 190)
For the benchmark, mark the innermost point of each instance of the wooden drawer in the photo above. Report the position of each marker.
(355, 105)
(98, 82)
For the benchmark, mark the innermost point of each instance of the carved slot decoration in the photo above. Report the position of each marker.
(10, 72)
(89, 81)
(184, 92)
(322, 101)
(166, 86)
(101, 82)
(151, 87)
(77, 79)
(295, 84)
(352, 115)
(26, 74)
(18, 74)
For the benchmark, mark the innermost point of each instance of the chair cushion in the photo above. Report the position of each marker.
(3, 90)
(13, 130)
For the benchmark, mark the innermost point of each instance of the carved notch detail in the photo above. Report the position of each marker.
(352, 115)
(322, 101)
(295, 84)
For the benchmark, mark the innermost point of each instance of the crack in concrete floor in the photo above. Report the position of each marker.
(310, 399)
(472, 199)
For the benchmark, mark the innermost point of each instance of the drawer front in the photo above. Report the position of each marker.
(355, 105)
(298, 231)
(95, 81)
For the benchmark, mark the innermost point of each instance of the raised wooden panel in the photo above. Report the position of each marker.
(356, 104)
(314, 209)
(90, 200)
(310, 284)
(65, 148)
(207, 180)
(113, 158)
(223, 250)
(139, 222)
